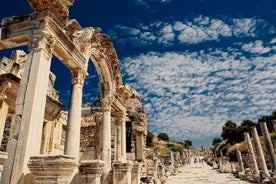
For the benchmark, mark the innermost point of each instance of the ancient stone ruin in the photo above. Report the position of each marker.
(99, 142)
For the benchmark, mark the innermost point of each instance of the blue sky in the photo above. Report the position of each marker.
(196, 63)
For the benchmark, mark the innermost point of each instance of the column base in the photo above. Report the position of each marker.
(52, 169)
(136, 172)
(91, 171)
(122, 172)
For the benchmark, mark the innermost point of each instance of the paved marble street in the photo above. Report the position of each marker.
(201, 173)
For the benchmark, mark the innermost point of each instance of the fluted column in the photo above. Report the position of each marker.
(269, 145)
(259, 151)
(106, 135)
(123, 135)
(72, 142)
(30, 103)
(118, 140)
(251, 153)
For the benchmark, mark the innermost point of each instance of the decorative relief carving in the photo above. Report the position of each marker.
(42, 40)
(106, 104)
(15, 64)
(54, 94)
(87, 38)
(78, 77)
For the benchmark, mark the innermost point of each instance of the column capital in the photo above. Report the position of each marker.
(106, 103)
(42, 40)
(78, 77)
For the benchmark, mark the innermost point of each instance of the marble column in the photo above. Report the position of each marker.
(91, 171)
(106, 136)
(139, 146)
(269, 145)
(118, 140)
(30, 103)
(251, 153)
(72, 141)
(4, 108)
(123, 128)
(259, 151)
(240, 160)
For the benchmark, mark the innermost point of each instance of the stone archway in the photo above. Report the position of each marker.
(47, 31)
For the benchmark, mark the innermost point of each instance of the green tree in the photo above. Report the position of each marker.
(229, 132)
(149, 139)
(187, 143)
(163, 136)
(216, 140)
(244, 127)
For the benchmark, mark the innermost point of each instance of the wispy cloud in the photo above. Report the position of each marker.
(192, 94)
(256, 47)
(147, 3)
(200, 29)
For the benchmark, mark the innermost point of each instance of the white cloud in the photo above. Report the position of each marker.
(190, 95)
(200, 29)
(256, 47)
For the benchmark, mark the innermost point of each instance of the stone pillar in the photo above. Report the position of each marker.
(106, 136)
(240, 160)
(30, 103)
(91, 171)
(135, 173)
(139, 146)
(72, 142)
(259, 151)
(122, 172)
(251, 153)
(123, 125)
(3, 107)
(118, 140)
(269, 145)
(55, 169)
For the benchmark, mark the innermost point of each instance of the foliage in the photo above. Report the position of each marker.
(150, 136)
(163, 136)
(175, 148)
(165, 151)
(229, 131)
(187, 143)
(233, 133)
(216, 140)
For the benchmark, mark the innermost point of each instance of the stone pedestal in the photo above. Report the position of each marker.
(135, 173)
(52, 169)
(3, 158)
(91, 171)
(122, 172)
